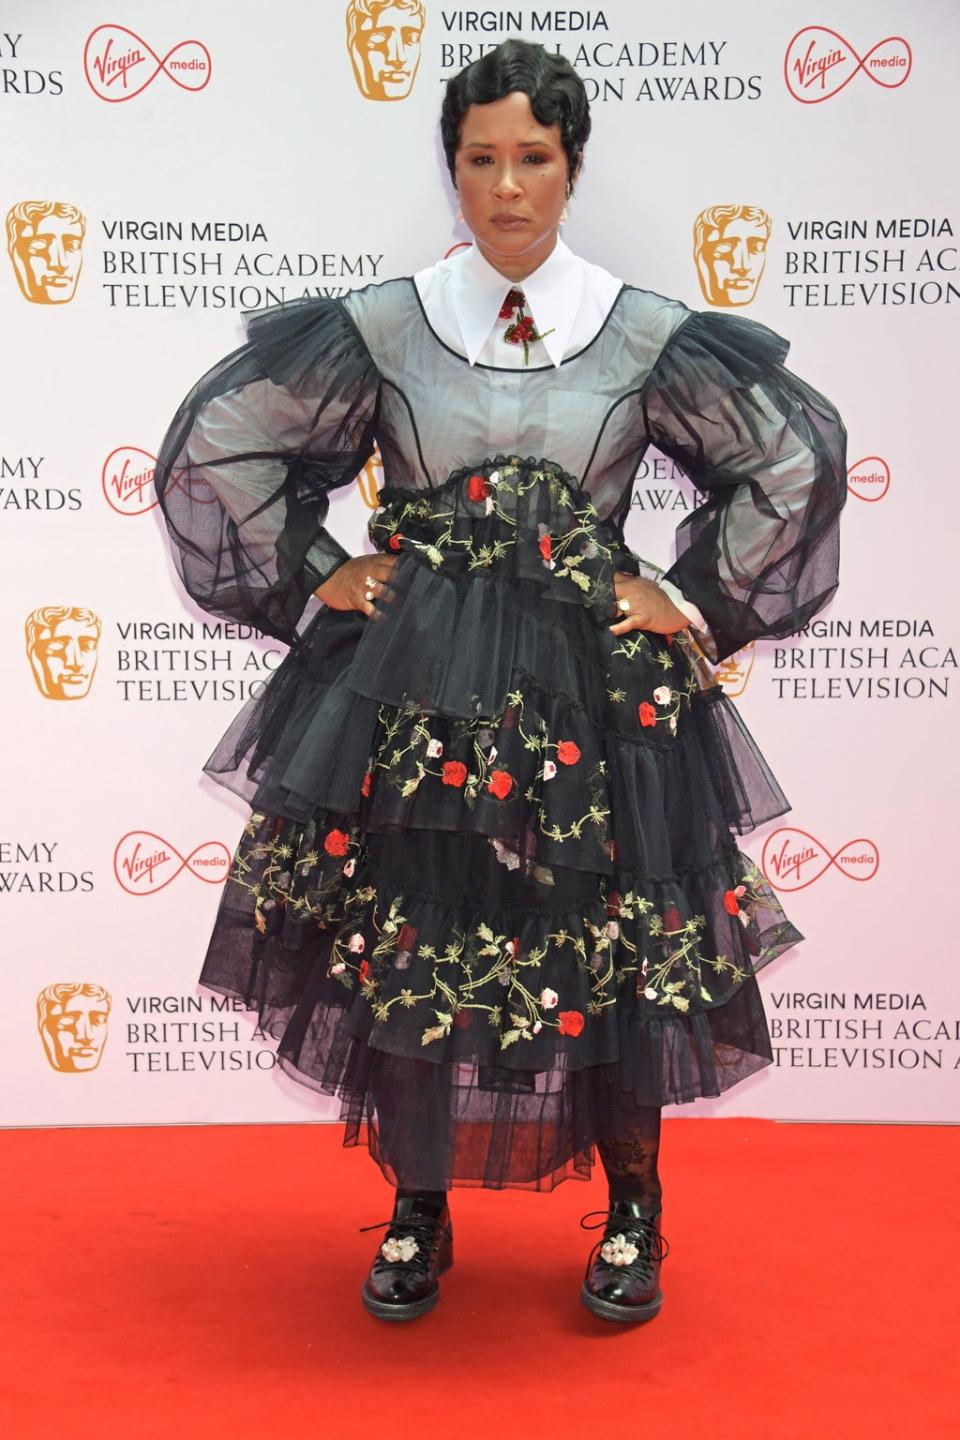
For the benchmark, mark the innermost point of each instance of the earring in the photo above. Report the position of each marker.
(564, 217)
(460, 216)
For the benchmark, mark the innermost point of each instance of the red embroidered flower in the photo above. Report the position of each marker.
(524, 328)
(394, 542)
(336, 842)
(731, 903)
(513, 298)
(478, 488)
(365, 971)
(500, 784)
(647, 713)
(613, 902)
(571, 1022)
(506, 309)
(407, 937)
(367, 782)
(546, 547)
(454, 772)
(568, 753)
(671, 918)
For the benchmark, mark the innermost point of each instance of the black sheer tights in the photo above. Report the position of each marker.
(630, 1157)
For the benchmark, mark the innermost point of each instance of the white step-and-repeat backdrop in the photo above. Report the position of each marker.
(165, 170)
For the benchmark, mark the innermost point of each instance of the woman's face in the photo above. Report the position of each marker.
(511, 175)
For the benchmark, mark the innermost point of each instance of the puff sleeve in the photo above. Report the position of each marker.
(760, 555)
(248, 461)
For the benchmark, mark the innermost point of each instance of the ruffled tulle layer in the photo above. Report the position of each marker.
(490, 881)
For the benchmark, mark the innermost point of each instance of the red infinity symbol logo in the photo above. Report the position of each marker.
(869, 479)
(115, 58)
(790, 859)
(819, 63)
(127, 480)
(145, 863)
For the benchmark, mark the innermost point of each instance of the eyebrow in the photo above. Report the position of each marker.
(489, 145)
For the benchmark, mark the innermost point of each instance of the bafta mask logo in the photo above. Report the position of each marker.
(383, 38)
(730, 250)
(62, 646)
(72, 1019)
(370, 480)
(733, 673)
(45, 245)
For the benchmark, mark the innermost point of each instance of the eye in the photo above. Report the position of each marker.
(479, 159)
(537, 158)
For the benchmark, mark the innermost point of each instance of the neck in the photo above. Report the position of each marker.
(518, 267)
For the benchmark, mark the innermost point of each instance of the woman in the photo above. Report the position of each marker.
(489, 894)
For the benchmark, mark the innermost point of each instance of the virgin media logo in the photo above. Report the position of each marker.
(869, 478)
(792, 859)
(819, 63)
(127, 482)
(145, 863)
(119, 65)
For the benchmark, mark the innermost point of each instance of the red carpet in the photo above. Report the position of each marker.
(204, 1281)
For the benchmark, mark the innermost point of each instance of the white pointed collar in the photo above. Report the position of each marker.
(553, 291)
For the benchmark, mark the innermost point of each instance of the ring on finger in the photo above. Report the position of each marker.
(368, 595)
(623, 605)
(369, 581)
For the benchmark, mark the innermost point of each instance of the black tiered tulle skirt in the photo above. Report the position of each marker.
(490, 894)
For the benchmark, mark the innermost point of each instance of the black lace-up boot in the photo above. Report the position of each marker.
(418, 1247)
(622, 1279)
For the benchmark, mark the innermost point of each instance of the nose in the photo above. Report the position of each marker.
(740, 258)
(507, 186)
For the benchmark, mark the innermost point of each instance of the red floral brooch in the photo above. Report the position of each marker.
(521, 330)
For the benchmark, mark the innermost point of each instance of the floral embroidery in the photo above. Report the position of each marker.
(336, 842)
(478, 488)
(521, 330)
(454, 773)
(647, 713)
(568, 753)
(500, 784)
(571, 1022)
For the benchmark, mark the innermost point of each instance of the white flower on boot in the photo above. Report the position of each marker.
(403, 1249)
(618, 1250)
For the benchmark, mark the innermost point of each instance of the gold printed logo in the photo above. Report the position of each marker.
(383, 41)
(72, 1020)
(45, 245)
(62, 647)
(734, 672)
(730, 251)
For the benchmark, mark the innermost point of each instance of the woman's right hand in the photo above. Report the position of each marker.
(347, 587)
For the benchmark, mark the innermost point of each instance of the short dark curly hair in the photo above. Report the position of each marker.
(557, 95)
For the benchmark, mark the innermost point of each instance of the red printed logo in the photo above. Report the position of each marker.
(127, 482)
(792, 859)
(145, 863)
(869, 478)
(819, 63)
(119, 65)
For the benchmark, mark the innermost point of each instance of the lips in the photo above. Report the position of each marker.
(509, 222)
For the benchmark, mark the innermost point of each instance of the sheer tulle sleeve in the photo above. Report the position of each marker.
(760, 555)
(248, 461)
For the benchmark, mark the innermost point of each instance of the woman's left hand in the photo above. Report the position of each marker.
(650, 607)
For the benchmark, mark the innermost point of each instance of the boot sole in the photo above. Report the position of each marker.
(631, 1314)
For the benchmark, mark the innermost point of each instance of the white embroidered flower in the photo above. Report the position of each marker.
(663, 695)
(484, 738)
(403, 1249)
(673, 724)
(350, 866)
(549, 769)
(434, 748)
(503, 975)
(548, 999)
(357, 944)
(618, 1250)
(537, 1026)
(488, 505)
(338, 967)
(402, 960)
(505, 855)
(613, 929)
(493, 754)
(494, 477)
(744, 917)
(650, 993)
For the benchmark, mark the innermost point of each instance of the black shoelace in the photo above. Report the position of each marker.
(424, 1229)
(637, 1230)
